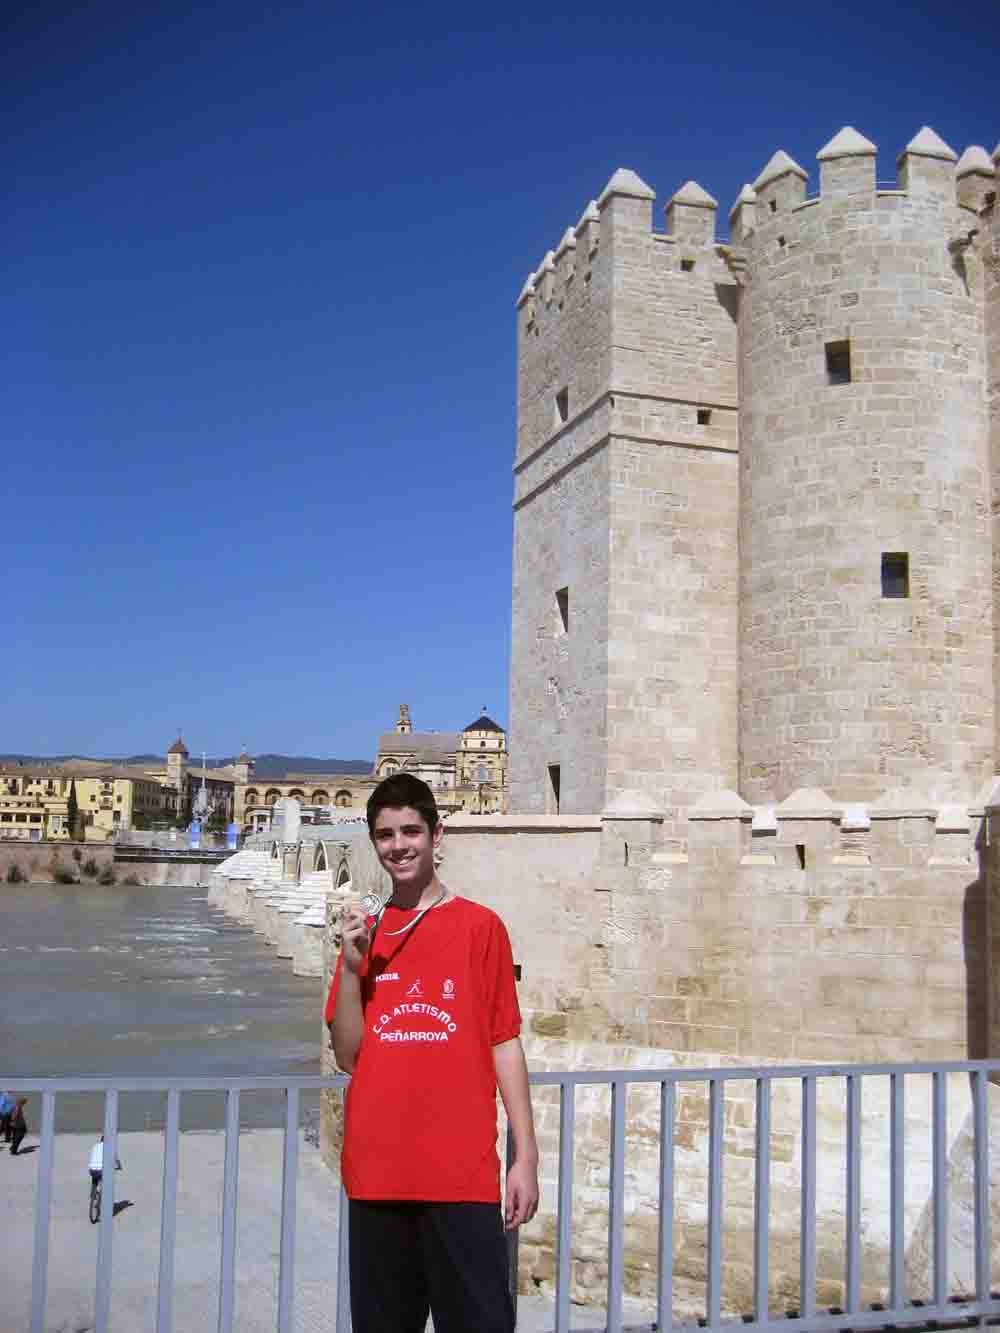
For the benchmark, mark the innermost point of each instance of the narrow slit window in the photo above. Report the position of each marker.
(562, 406)
(895, 574)
(687, 265)
(517, 971)
(704, 416)
(562, 603)
(773, 205)
(838, 362)
(800, 852)
(553, 792)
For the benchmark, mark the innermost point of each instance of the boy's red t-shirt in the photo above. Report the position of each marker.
(421, 1115)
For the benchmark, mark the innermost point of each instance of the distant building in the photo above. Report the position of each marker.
(467, 770)
(37, 798)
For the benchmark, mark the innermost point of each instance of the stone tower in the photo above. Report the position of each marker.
(753, 488)
(980, 189)
(177, 757)
(243, 768)
(624, 654)
(403, 724)
(866, 641)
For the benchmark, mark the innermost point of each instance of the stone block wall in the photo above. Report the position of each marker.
(37, 860)
(805, 934)
(626, 504)
(843, 687)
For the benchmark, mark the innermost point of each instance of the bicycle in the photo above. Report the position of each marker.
(95, 1197)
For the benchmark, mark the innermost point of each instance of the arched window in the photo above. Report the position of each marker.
(320, 862)
(343, 875)
(271, 795)
(343, 798)
(320, 797)
(297, 793)
(252, 797)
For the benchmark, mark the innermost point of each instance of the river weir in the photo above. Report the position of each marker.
(132, 980)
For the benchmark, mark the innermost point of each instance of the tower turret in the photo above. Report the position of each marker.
(624, 620)
(865, 608)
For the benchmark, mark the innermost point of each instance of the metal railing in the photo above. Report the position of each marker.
(899, 1310)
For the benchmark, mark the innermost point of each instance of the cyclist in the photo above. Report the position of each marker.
(96, 1164)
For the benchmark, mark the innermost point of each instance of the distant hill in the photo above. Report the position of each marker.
(266, 765)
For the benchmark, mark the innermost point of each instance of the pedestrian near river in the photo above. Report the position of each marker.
(18, 1125)
(6, 1114)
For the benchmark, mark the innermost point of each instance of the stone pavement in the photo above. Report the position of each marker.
(73, 1241)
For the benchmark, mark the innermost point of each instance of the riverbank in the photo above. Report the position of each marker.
(125, 980)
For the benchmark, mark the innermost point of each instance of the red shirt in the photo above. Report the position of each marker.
(421, 1118)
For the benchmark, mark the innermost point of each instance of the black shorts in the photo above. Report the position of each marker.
(411, 1259)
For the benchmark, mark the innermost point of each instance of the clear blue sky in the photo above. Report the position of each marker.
(259, 273)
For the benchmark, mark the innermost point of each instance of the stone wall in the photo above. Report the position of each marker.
(691, 1135)
(821, 935)
(39, 860)
(987, 254)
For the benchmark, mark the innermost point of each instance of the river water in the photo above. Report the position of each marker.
(147, 981)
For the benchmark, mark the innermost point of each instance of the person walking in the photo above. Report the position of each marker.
(6, 1113)
(18, 1125)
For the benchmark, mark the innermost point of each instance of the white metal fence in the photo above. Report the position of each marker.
(944, 1307)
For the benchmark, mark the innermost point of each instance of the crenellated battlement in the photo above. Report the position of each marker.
(927, 168)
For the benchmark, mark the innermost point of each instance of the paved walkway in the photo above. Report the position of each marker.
(73, 1241)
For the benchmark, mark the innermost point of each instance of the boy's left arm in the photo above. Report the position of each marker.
(522, 1178)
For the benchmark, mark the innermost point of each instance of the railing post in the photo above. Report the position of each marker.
(852, 1203)
(230, 1179)
(289, 1181)
(939, 1133)
(513, 1237)
(564, 1213)
(807, 1222)
(761, 1199)
(43, 1209)
(102, 1296)
(616, 1207)
(897, 1233)
(981, 1150)
(665, 1247)
(713, 1285)
(343, 1263)
(168, 1217)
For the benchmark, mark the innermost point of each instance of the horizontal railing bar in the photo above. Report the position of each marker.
(263, 1082)
(911, 1316)
(748, 1073)
(148, 1083)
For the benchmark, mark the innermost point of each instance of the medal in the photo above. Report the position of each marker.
(371, 904)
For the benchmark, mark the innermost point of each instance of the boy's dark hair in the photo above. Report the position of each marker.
(403, 789)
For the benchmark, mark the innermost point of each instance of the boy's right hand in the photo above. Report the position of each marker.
(356, 936)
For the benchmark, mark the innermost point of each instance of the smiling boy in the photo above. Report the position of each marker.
(423, 1013)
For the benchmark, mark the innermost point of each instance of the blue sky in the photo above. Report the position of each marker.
(259, 273)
